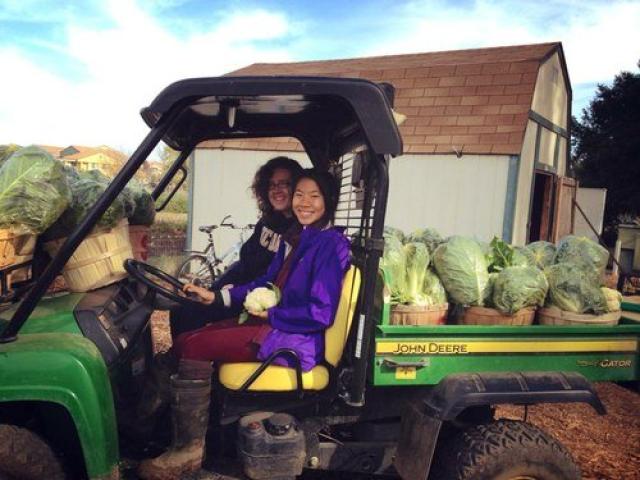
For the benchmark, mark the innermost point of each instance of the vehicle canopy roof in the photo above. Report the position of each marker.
(327, 115)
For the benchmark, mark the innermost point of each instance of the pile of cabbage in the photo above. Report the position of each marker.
(33, 190)
(43, 196)
(407, 265)
(576, 278)
(497, 275)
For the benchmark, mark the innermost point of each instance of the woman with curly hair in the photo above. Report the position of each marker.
(271, 188)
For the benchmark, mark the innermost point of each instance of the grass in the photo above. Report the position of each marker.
(168, 222)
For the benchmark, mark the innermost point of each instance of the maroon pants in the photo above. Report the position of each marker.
(223, 341)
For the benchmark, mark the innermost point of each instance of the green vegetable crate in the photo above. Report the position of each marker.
(425, 354)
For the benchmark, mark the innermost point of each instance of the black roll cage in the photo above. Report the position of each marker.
(329, 116)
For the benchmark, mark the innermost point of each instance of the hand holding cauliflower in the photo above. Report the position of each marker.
(258, 301)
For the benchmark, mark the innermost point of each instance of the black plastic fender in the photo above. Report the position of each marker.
(424, 417)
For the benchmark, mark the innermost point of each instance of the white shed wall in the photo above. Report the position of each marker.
(550, 95)
(457, 196)
(221, 186)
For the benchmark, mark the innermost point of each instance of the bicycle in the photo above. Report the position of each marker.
(203, 268)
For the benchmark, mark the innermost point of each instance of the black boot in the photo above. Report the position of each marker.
(190, 396)
(155, 396)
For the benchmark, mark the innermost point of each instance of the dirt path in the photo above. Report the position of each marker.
(606, 447)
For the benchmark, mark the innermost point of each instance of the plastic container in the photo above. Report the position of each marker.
(555, 316)
(491, 316)
(416, 315)
(98, 260)
(139, 236)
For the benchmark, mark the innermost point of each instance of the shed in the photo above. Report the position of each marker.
(486, 142)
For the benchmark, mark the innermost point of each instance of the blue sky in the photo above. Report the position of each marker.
(78, 72)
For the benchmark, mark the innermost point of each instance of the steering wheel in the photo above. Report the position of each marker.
(149, 276)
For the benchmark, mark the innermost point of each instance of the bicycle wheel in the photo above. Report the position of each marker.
(196, 270)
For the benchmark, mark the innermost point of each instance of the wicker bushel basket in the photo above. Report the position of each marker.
(415, 315)
(98, 260)
(16, 246)
(491, 316)
(555, 316)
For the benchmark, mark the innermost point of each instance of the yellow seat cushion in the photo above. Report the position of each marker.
(281, 379)
(274, 379)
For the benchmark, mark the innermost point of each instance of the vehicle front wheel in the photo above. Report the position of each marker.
(24, 455)
(504, 450)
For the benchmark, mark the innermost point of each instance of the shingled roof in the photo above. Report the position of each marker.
(475, 100)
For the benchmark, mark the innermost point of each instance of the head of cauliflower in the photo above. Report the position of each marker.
(261, 299)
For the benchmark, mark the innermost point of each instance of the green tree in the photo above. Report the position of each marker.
(607, 147)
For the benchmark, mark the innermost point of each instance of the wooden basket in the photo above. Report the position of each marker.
(139, 236)
(16, 246)
(491, 316)
(555, 316)
(98, 260)
(415, 315)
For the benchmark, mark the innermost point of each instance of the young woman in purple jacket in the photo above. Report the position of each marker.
(308, 268)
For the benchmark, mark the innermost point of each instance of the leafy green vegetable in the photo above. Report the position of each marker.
(85, 193)
(6, 151)
(429, 236)
(394, 263)
(417, 261)
(395, 233)
(518, 287)
(543, 253)
(522, 257)
(33, 190)
(583, 252)
(503, 255)
(575, 289)
(144, 209)
(433, 290)
(463, 269)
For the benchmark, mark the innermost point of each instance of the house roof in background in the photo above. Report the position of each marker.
(474, 100)
(78, 152)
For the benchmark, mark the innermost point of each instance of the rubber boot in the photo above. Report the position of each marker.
(156, 394)
(190, 397)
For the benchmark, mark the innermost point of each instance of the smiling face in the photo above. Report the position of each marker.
(280, 191)
(308, 202)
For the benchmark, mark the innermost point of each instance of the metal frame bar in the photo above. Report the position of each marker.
(29, 303)
(280, 352)
(374, 245)
(168, 176)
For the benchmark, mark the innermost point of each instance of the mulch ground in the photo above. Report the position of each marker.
(606, 447)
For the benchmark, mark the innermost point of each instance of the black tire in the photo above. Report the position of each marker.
(196, 269)
(26, 456)
(503, 450)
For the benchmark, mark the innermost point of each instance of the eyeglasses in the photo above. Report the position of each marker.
(281, 185)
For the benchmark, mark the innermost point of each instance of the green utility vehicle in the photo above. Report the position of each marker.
(416, 402)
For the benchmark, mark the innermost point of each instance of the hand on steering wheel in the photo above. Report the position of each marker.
(149, 275)
(204, 295)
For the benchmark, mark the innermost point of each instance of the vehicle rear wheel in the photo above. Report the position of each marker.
(196, 269)
(24, 455)
(504, 450)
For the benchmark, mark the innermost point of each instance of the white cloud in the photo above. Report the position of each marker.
(127, 62)
(599, 38)
(126, 66)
